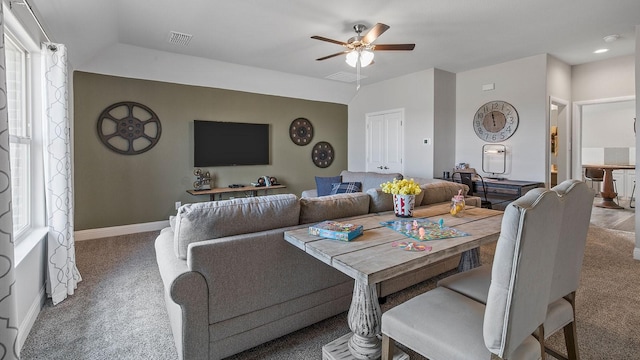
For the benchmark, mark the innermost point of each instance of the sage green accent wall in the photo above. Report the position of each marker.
(112, 189)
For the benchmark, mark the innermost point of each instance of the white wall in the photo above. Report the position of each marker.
(444, 122)
(604, 79)
(415, 94)
(608, 125)
(141, 63)
(522, 83)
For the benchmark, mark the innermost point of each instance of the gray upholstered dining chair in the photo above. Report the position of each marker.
(578, 200)
(444, 324)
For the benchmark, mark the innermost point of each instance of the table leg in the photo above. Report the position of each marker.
(469, 259)
(364, 320)
(607, 193)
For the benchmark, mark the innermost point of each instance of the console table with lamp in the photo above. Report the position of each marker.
(495, 190)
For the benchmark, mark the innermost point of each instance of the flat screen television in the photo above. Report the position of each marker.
(218, 143)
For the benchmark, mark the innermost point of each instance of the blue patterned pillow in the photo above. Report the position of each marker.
(323, 184)
(346, 187)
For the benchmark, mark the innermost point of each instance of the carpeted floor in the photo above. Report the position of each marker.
(118, 310)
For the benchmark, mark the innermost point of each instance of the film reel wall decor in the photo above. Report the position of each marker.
(129, 128)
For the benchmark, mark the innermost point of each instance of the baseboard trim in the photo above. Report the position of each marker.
(636, 253)
(32, 315)
(91, 234)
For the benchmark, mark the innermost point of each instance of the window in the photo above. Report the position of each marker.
(24, 81)
(16, 58)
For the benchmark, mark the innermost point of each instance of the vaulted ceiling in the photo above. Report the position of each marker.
(452, 35)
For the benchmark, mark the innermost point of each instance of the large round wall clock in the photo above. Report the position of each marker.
(322, 154)
(301, 131)
(495, 121)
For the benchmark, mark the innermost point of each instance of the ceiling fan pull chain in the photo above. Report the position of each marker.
(358, 72)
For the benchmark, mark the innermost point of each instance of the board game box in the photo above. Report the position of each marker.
(336, 230)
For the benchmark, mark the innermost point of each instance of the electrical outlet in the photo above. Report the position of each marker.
(426, 141)
(178, 204)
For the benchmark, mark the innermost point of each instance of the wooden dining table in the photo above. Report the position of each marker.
(372, 258)
(608, 192)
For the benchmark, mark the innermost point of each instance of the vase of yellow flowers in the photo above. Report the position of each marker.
(404, 195)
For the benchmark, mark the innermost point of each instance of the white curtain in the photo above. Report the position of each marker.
(8, 307)
(62, 274)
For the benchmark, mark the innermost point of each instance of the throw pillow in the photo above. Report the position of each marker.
(345, 188)
(323, 184)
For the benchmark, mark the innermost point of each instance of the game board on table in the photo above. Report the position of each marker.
(423, 229)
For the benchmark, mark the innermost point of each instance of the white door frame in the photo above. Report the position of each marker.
(567, 137)
(577, 129)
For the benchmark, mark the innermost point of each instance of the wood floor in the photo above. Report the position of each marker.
(618, 219)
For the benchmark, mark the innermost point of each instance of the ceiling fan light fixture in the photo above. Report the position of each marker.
(352, 58)
(364, 56)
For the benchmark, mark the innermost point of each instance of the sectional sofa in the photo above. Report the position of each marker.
(231, 282)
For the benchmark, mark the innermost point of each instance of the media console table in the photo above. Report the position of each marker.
(502, 192)
(252, 190)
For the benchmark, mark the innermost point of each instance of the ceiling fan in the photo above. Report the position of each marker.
(359, 49)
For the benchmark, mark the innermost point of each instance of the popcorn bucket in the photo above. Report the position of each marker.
(403, 205)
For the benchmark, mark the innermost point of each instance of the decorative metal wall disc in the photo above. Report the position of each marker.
(301, 131)
(322, 154)
(129, 128)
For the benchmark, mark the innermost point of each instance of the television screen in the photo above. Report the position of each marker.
(219, 143)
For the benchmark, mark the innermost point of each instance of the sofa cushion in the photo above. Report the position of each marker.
(368, 179)
(333, 207)
(215, 219)
(345, 188)
(381, 202)
(441, 191)
(323, 184)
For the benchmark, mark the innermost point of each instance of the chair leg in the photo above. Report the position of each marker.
(539, 334)
(571, 341)
(388, 347)
(632, 199)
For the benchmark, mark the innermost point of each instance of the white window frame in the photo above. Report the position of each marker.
(22, 139)
(16, 32)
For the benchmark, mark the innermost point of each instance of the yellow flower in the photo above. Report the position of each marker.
(401, 187)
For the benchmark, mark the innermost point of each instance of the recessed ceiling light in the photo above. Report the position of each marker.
(600, 51)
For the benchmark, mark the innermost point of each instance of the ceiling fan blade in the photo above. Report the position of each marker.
(329, 40)
(394, 47)
(375, 31)
(332, 55)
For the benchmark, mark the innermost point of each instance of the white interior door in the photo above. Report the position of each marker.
(385, 141)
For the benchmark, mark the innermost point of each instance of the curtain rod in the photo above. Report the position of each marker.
(33, 15)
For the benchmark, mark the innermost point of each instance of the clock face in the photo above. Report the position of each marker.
(301, 131)
(322, 154)
(495, 121)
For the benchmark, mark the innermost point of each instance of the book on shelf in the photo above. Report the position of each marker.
(336, 230)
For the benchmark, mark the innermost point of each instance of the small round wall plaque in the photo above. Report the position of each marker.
(322, 154)
(301, 131)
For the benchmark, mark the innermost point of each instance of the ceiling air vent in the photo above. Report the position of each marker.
(344, 77)
(179, 38)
